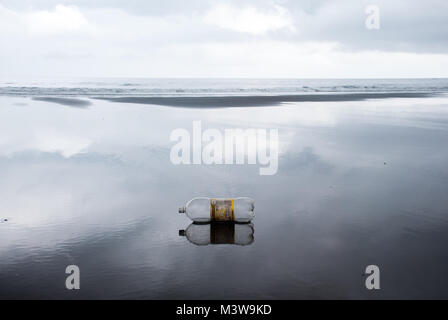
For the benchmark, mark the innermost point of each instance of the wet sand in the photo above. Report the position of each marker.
(359, 183)
(71, 102)
(258, 101)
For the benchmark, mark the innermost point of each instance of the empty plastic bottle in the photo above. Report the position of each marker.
(219, 233)
(203, 210)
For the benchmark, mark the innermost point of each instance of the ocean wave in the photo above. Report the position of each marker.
(215, 87)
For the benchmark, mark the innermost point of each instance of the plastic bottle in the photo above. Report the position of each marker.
(219, 233)
(204, 210)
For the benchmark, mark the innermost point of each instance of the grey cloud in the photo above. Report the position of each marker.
(174, 38)
(409, 26)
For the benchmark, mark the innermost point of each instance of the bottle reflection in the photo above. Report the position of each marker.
(219, 233)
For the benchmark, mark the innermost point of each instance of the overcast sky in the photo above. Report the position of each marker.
(205, 38)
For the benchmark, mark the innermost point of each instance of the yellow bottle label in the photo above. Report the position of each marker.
(222, 210)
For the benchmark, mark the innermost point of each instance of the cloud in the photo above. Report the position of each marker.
(406, 25)
(249, 19)
(262, 38)
(62, 19)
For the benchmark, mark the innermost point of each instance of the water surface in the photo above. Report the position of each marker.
(359, 183)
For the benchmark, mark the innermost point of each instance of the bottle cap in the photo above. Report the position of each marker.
(182, 210)
(182, 233)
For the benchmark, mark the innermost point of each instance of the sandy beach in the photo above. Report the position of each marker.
(361, 180)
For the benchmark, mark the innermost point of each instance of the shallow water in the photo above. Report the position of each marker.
(358, 183)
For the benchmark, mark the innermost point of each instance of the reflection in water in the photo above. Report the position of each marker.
(219, 233)
(88, 186)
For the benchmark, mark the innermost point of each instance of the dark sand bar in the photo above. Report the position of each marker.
(258, 101)
(71, 102)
